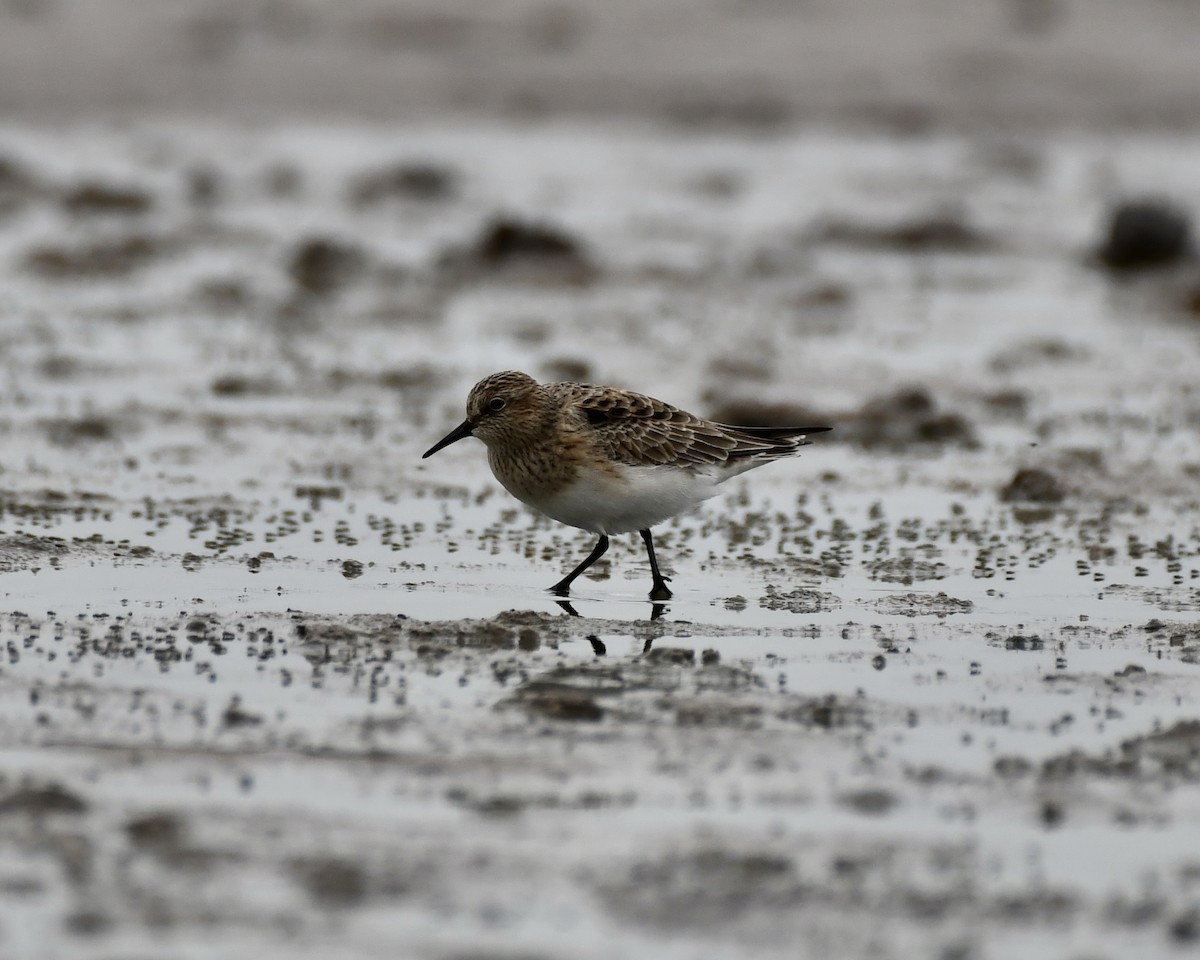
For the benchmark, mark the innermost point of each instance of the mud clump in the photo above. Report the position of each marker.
(1052, 814)
(70, 432)
(528, 640)
(320, 266)
(331, 881)
(707, 713)
(932, 234)
(827, 713)
(239, 385)
(98, 259)
(871, 802)
(425, 182)
(1033, 485)
(905, 570)
(706, 887)
(1185, 928)
(156, 831)
(827, 295)
(1037, 351)
(39, 801)
(488, 636)
(1171, 753)
(203, 186)
(564, 705)
(522, 250)
(1022, 643)
(33, 544)
(1175, 750)
(1186, 643)
(675, 656)
(1007, 404)
(507, 240)
(235, 716)
(1012, 767)
(1145, 234)
(224, 294)
(101, 199)
(87, 923)
(923, 604)
(799, 600)
(17, 186)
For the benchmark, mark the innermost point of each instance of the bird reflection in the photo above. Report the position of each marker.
(567, 608)
(656, 609)
(598, 647)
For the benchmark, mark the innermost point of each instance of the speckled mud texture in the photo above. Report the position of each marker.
(271, 686)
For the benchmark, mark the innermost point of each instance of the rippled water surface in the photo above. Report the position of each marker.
(272, 685)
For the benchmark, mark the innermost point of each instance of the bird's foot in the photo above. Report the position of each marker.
(660, 591)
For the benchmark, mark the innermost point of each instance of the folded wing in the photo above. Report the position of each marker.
(641, 431)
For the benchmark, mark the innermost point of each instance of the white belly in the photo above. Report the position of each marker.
(636, 500)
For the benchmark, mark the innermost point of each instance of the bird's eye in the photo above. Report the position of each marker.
(496, 403)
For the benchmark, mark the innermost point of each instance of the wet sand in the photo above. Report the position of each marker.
(271, 685)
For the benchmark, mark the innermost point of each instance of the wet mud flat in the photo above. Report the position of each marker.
(271, 685)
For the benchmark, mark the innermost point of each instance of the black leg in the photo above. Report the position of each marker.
(563, 587)
(659, 591)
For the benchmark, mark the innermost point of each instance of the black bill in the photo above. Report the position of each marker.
(464, 429)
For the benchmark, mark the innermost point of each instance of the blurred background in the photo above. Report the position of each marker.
(762, 63)
(774, 209)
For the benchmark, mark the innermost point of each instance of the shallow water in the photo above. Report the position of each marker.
(272, 685)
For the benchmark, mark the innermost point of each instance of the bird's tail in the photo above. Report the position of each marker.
(770, 442)
(779, 433)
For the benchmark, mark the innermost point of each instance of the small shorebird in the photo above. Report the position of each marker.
(608, 460)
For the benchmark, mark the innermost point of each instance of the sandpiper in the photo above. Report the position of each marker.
(607, 460)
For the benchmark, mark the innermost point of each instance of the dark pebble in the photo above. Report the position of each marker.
(405, 181)
(332, 881)
(1033, 485)
(40, 800)
(89, 199)
(320, 266)
(528, 250)
(1144, 234)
